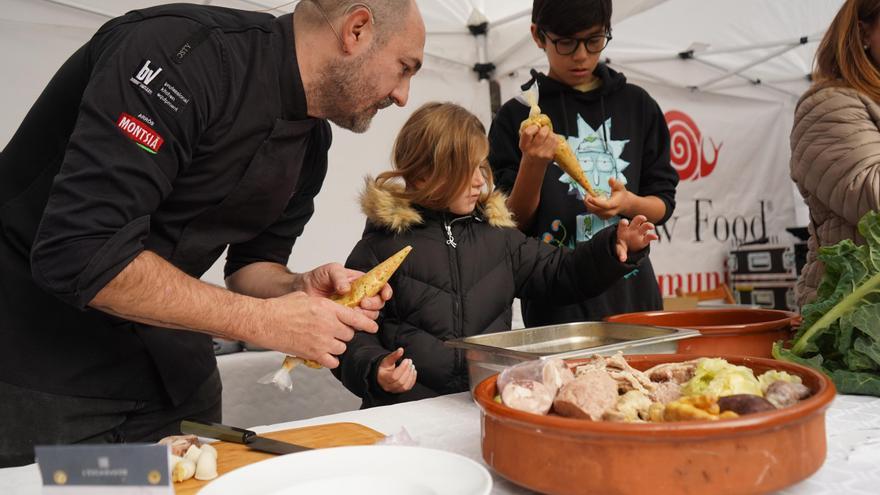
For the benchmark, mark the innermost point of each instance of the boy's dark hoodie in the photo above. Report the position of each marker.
(458, 282)
(634, 141)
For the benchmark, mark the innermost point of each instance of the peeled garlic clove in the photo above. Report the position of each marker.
(207, 447)
(193, 453)
(173, 460)
(183, 470)
(206, 469)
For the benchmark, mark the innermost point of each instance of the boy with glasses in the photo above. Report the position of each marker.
(619, 136)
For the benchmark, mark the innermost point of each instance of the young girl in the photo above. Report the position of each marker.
(619, 136)
(468, 260)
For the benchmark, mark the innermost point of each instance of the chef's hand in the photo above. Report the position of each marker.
(633, 236)
(537, 145)
(310, 327)
(615, 204)
(334, 279)
(396, 378)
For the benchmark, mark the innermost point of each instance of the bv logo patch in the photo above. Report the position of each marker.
(144, 75)
(140, 133)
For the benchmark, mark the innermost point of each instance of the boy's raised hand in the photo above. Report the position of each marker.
(396, 378)
(537, 144)
(633, 236)
(614, 204)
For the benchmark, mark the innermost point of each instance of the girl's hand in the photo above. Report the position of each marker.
(538, 145)
(393, 378)
(611, 206)
(633, 236)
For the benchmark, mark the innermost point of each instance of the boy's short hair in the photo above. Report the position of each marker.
(567, 17)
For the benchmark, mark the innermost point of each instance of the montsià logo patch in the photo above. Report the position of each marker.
(140, 133)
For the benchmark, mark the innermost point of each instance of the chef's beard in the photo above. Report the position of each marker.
(345, 87)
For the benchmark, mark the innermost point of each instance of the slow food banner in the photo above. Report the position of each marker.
(732, 156)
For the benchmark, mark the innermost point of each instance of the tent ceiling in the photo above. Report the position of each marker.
(647, 35)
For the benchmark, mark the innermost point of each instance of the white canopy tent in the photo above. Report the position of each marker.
(758, 51)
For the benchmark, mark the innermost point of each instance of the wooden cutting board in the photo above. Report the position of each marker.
(232, 455)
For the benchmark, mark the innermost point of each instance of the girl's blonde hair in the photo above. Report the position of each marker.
(841, 58)
(436, 153)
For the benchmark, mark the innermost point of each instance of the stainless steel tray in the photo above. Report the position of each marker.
(491, 353)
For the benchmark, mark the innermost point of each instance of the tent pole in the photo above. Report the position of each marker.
(512, 17)
(738, 70)
(448, 33)
(513, 49)
(448, 60)
(756, 82)
(83, 8)
(709, 51)
(269, 8)
(815, 37)
(746, 80)
(644, 74)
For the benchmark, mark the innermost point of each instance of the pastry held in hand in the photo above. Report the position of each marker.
(367, 285)
(563, 156)
(370, 283)
(569, 163)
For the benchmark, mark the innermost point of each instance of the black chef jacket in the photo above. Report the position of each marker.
(178, 129)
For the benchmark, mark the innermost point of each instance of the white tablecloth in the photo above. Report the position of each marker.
(452, 423)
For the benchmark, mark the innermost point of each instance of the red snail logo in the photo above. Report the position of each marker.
(686, 147)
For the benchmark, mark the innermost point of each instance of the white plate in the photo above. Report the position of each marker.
(364, 470)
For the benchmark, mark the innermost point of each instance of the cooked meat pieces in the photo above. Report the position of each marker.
(528, 395)
(555, 374)
(628, 378)
(588, 396)
(666, 392)
(180, 443)
(631, 406)
(673, 372)
(743, 404)
(783, 394)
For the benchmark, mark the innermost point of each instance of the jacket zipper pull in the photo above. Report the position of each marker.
(451, 240)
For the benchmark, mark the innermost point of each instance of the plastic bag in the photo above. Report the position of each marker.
(531, 386)
(281, 378)
(551, 372)
(529, 98)
(402, 437)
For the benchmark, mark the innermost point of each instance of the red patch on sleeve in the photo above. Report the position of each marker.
(139, 132)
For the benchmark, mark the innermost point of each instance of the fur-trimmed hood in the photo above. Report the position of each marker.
(384, 208)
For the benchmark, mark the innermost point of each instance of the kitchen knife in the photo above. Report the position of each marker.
(240, 435)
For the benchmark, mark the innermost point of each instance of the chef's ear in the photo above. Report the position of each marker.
(357, 29)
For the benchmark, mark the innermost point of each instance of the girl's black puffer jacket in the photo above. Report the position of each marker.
(459, 280)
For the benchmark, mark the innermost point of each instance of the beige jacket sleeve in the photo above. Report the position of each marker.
(836, 153)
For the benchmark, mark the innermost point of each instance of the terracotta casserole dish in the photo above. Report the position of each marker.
(741, 332)
(753, 454)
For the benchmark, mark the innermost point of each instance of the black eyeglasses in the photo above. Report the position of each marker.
(567, 46)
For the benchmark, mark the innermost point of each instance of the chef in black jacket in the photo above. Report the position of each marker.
(174, 133)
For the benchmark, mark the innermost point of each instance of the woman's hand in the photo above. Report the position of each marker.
(396, 378)
(611, 206)
(633, 236)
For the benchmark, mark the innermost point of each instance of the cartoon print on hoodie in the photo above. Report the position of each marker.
(600, 159)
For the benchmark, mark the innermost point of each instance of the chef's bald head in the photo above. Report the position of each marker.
(388, 16)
